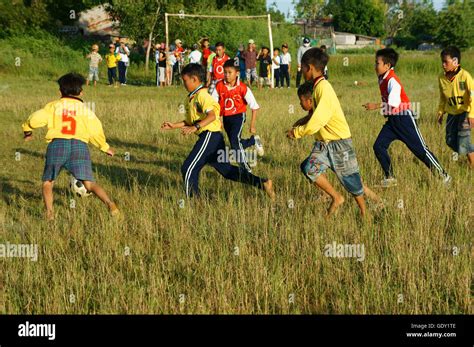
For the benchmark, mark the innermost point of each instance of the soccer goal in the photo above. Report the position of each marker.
(183, 15)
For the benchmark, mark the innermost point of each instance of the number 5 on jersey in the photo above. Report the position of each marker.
(69, 122)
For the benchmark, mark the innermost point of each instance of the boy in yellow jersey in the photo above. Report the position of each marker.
(333, 147)
(112, 59)
(202, 118)
(71, 125)
(456, 89)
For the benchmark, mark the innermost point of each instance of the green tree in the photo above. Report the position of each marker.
(309, 9)
(365, 17)
(456, 25)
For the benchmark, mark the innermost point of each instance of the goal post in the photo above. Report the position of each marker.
(182, 15)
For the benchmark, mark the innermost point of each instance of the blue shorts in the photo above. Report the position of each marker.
(93, 73)
(339, 156)
(458, 133)
(71, 154)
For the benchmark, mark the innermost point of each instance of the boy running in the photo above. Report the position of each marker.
(71, 125)
(216, 70)
(333, 147)
(401, 124)
(202, 118)
(456, 97)
(233, 97)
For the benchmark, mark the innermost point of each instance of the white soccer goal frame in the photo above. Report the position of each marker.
(269, 24)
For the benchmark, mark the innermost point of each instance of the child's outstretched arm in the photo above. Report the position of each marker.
(36, 120)
(189, 129)
(320, 117)
(97, 136)
(171, 125)
(252, 103)
(303, 120)
(370, 106)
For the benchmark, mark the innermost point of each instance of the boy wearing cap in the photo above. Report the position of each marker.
(250, 57)
(299, 55)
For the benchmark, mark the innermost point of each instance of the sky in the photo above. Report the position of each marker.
(285, 5)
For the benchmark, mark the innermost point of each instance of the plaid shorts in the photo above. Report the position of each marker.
(339, 156)
(71, 154)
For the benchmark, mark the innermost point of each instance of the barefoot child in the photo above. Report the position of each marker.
(95, 59)
(71, 125)
(305, 94)
(401, 124)
(202, 118)
(457, 99)
(333, 148)
(112, 60)
(233, 97)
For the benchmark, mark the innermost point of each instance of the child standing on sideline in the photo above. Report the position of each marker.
(265, 63)
(111, 60)
(71, 125)
(285, 66)
(456, 97)
(216, 69)
(401, 124)
(276, 61)
(202, 118)
(233, 97)
(95, 59)
(333, 147)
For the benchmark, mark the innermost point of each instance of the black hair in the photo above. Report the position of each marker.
(71, 84)
(306, 89)
(316, 57)
(233, 63)
(323, 47)
(195, 70)
(265, 47)
(453, 52)
(220, 44)
(388, 55)
(276, 49)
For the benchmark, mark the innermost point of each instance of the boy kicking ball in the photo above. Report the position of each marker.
(333, 148)
(71, 126)
(202, 118)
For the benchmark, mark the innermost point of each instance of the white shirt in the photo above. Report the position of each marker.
(123, 56)
(195, 57)
(286, 58)
(278, 60)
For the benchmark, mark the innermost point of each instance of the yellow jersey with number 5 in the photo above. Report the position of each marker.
(69, 118)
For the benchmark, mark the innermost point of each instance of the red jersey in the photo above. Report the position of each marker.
(234, 100)
(206, 52)
(394, 98)
(218, 67)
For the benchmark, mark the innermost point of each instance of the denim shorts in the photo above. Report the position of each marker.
(93, 73)
(340, 157)
(458, 133)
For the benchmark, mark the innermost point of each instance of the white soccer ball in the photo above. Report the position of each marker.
(78, 188)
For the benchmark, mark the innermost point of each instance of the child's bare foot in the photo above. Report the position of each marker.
(336, 202)
(50, 215)
(268, 186)
(113, 209)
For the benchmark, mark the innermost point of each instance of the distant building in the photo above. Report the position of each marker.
(97, 22)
